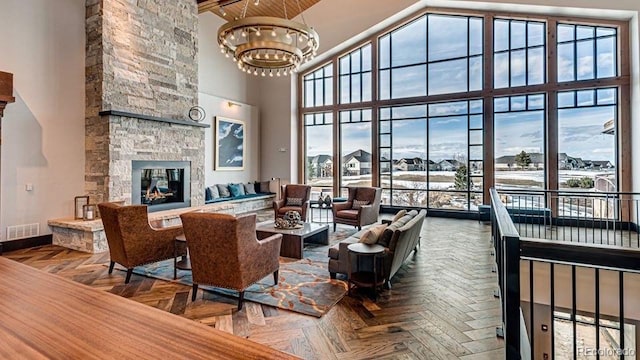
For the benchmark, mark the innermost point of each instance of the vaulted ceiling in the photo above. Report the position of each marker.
(234, 8)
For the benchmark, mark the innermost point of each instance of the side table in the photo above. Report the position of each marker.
(184, 263)
(321, 208)
(369, 278)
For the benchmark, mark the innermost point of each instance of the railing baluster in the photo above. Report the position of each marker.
(553, 309)
(621, 284)
(531, 306)
(573, 311)
(597, 315)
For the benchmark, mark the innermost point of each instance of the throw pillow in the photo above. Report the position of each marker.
(294, 201)
(372, 235)
(264, 187)
(250, 188)
(357, 204)
(236, 189)
(223, 189)
(215, 194)
(399, 215)
(207, 194)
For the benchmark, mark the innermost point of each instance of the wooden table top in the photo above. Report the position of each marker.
(45, 316)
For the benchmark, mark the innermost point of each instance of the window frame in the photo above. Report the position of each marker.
(550, 87)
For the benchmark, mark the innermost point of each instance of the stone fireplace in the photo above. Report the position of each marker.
(141, 81)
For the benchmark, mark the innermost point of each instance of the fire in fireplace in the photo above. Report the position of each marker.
(161, 185)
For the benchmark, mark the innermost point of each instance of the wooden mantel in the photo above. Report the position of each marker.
(6, 90)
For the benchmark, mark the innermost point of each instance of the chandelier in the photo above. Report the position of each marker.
(265, 45)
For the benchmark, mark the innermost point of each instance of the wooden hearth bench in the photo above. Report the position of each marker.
(88, 236)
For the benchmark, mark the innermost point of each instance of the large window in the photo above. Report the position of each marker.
(319, 152)
(519, 142)
(438, 109)
(355, 152)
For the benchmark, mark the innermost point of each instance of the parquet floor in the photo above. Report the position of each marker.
(441, 304)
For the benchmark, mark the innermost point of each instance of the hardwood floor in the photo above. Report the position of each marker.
(441, 304)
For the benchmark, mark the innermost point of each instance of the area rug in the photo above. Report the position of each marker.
(304, 285)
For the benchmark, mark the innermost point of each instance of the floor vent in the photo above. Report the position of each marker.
(23, 231)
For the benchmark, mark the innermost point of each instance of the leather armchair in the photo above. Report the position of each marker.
(347, 213)
(226, 253)
(132, 241)
(280, 206)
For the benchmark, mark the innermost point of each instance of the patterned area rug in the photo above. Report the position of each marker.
(304, 285)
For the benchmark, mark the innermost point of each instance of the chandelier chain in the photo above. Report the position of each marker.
(244, 9)
(284, 6)
(300, 12)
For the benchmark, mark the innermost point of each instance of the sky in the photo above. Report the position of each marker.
(455, 65)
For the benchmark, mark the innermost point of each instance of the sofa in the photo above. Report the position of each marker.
(400, 238)
(225, 192)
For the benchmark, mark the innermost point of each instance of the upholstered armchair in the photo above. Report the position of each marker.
(132, 241)
(225, 252)
(361, 208)
(294, 197)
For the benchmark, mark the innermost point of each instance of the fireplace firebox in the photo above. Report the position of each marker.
(162, 185)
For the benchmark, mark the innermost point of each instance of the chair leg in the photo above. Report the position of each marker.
(240, 300)
(275, 277)
(334, 227)
(195, 291)
(111, 264)
(332, 275)
(359, 227)
(128, 278)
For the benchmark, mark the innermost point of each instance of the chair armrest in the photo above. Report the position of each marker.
(341, 206)
(368, 214)
(169, 232)
(270, 247)
(277, 204)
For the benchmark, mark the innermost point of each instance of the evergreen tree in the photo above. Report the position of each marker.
(523, 159)
(461, 179)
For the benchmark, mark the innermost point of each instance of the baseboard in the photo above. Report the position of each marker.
(26, 243)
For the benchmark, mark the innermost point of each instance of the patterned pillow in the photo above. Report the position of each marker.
(371, 235)
(357, 204)
(250, 188)
(223, 189)
(236, 189)
(294, 201)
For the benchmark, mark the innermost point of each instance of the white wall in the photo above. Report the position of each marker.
(220, 81)
(215, 106)
(43, 45)
(218, 75)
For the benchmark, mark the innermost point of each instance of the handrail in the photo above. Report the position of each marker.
(506, 241)
(581, 254)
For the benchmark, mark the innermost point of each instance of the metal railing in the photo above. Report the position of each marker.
(578, 300)
(606, 218)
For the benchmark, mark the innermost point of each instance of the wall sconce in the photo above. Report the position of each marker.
(232, 104)
(277, 178)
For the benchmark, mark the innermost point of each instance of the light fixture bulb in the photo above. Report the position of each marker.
(222, 12)
(257, 2)
(278, 73)
(273, 33)
(258, 33)
(270, 74)
(222, 50)
(233, 36)
(258, 56)
(263, 74)
(255, 72)
(244, 33)
(288, 36)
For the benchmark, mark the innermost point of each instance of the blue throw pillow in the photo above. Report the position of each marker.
(236, 189)
(207, 194)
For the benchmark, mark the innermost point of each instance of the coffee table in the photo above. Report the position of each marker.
(293, 239)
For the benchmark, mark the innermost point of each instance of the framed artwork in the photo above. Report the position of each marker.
(230, 144)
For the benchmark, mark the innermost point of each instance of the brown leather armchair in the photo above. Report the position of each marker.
(293, 191)
(351, 213)
(132, 241)
(225, 251)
